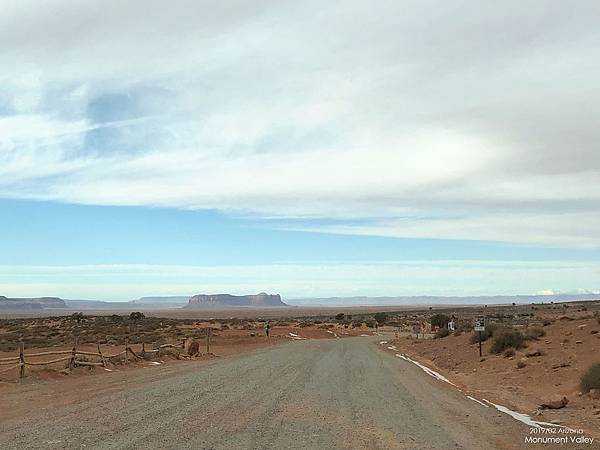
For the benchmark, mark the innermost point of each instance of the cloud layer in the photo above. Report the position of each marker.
(421, 119)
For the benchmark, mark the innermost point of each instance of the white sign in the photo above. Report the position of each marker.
(479, 324)
(451, 326)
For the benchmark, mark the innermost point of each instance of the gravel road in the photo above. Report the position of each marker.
(313, 394)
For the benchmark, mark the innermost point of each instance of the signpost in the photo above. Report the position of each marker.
(479, 326)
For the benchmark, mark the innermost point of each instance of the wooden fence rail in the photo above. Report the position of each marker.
(10, 368)
(45, 363)
(5, 361)
(58, 352)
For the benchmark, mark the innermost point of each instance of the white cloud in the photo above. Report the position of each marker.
(428, 120)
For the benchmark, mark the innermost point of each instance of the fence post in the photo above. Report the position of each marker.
(143, 349)
(101, 356)
(208, 333)
(21, 359)
(126, 350)
(73, 355)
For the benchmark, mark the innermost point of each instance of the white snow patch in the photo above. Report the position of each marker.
(527, 420)
(107, 369)
(475, 400)
(330, 332)
(295, 336)
(427, 370)
(515, 415)
(155, 363)
(392, 347)
(383, 342)
(364, 335)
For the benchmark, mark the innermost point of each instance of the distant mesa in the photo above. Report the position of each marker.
(216, 301)
(31, 304)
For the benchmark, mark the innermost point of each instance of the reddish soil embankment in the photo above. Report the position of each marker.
(568, 348)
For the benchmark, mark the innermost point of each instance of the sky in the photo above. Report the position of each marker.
(309, 149)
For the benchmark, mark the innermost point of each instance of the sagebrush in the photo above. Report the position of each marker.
(590, 379)
(507, 339)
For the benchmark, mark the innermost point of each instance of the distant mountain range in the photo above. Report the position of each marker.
(217, 301)
(141, 303)
(439, 300)
(262, 300)
(177, 299)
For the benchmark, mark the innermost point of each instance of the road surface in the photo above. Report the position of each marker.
(313, 394)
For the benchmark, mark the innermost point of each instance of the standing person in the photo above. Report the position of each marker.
(267, 328)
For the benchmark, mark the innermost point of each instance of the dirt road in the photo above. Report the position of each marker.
(317, 394)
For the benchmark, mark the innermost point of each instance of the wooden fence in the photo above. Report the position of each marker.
(28, 359)
(24, 359)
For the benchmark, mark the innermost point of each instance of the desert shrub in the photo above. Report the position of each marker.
(534, 333)
(507, 339)
(370, 323)
(597, 316)
(77, 317)
(136, 316)
(339, 316)
(442, 333)
(490, 329)
(439, 320)
(509, 352)
(357, 323)
(465, 325)
(590, 379)
(380, 317)
(458, 332)
(547, 322)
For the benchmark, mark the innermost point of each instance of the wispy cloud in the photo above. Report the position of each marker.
(426, 119)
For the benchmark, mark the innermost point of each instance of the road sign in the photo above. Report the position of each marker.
(479, 324)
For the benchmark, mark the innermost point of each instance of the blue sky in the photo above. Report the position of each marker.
(50, 233)
(413, 148)
(121, 253)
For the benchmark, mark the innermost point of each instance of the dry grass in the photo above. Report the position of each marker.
(111, 330)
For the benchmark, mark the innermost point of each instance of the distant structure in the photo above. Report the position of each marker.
(262, 300)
